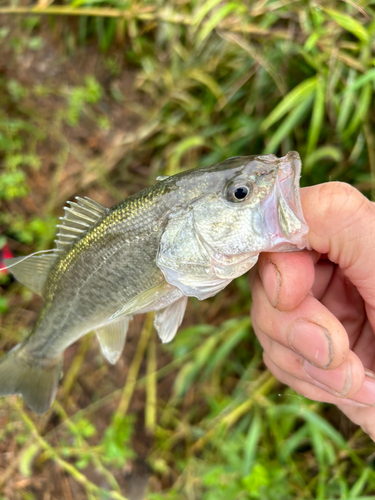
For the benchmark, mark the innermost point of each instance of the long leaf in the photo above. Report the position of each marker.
(325, 152)
(349, 24)
(240, 332)
(347, 103)
(251, 444)
(180, 149)
(204, 78)
(369, 76)
(361, 111)
(203, 10)
(296, 96)
(317, 116)
(291, 121)
(213, 22)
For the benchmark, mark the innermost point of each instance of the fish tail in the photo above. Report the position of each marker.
(34, 379)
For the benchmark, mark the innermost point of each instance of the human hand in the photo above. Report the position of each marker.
(314, 311)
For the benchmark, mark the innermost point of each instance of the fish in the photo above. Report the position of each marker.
(189, 235)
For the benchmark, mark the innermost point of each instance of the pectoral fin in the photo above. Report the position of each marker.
(201, 287)
(112, 337)
(169, 319)
(142, 300)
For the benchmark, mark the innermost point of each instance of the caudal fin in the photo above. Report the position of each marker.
(34, 379)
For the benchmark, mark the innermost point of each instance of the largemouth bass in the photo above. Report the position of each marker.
(189, 235)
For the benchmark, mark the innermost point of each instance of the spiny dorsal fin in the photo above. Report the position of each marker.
(32, 270)
(79, 216)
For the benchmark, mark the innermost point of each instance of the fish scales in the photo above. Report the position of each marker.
(189, 235)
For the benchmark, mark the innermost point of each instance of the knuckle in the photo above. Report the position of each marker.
(334, 197)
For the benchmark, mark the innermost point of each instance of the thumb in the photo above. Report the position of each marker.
(342, 225)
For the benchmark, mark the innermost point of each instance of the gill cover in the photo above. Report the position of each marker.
(190, 264)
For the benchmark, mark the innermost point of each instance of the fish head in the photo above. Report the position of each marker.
(256, 207)
(242, 207)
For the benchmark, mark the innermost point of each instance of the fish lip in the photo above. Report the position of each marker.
(289, 174)
(283, 216)
(288, 183)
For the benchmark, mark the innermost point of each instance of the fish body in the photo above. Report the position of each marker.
(189, 235)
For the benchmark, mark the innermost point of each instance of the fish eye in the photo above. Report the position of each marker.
(239, 191)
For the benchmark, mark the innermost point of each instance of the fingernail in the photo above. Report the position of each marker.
(312, 342)
(337, 382)
(271, 279)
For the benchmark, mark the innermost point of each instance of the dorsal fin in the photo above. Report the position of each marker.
(32, 270)
(79, 216)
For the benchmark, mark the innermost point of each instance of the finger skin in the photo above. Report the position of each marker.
(364, 417)
(324, 270)
(342, 225)
(311, 391)
(344, 381)
(279, 326)
(281, 275)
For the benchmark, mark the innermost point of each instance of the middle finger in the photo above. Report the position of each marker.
(310, 329)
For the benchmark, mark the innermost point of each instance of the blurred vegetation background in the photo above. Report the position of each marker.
(98, 98)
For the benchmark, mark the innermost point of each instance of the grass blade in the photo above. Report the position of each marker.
(295, 117)
(251, 444)
(180, 149)
(239, 333)
(212, 23)
(361, 111)
(369, 76)
(204, 78)
(203, 10)
(347, 102)
(325, 152)
(317, 116)
(349, 24)
(298, 95)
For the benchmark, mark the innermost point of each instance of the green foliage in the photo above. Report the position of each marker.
(214, 79)
(116, 448)
(79, 97)
(17, 138)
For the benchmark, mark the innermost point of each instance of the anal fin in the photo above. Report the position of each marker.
(112, 337)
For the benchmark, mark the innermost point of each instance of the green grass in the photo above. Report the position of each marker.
(209, 80)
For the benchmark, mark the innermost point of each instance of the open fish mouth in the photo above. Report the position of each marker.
(284, 217)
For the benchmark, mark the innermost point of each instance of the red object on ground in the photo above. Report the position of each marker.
(5, 253)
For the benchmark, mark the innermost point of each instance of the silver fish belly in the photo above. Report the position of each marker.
(189, 235)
